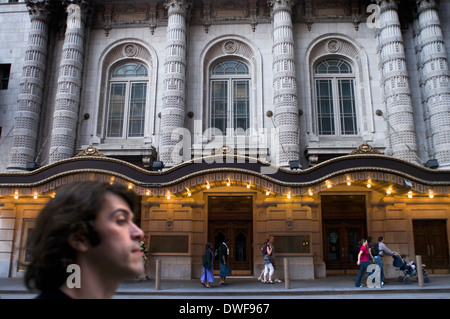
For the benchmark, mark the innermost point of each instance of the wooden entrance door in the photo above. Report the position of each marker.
(240, 235)
(430, 241)
(343, 225)
(232, 217)
(341, 244)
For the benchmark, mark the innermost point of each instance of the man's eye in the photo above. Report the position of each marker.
(121, 221)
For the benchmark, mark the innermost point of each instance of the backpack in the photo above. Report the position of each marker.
(374, 250)
(264, 249)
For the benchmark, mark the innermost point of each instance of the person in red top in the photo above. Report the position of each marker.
(363, 261)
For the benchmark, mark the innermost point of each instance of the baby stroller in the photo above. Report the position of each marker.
(409, 269)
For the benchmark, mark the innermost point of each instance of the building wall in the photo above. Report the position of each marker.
(13, 36)
(388, 216)
(99, 41)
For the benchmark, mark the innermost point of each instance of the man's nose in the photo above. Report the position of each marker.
(136, 232)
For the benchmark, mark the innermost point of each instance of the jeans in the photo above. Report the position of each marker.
(362, 269)
(268, 270)
(379, 262)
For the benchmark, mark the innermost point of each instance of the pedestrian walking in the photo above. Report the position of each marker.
(383, 250)
(224, 253)
(272, 259)
(363, 261)
(208, 268)
(268, 266)
(263, 252)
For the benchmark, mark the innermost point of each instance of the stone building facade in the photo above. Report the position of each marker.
(318, 122)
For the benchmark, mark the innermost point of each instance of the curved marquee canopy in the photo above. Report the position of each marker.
(378, 172)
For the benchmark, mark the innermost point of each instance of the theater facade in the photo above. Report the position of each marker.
(317, 122)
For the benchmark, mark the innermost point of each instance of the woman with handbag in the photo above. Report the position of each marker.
(208, 269)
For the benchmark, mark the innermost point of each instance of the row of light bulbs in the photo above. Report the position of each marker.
(329, 185)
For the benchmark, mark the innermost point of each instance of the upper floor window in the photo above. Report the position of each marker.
(230, 95)
(4, 76)
(127, 100)
(335, 98)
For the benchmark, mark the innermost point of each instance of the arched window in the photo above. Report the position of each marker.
(230, 95)
(127, 99)
(335, 97)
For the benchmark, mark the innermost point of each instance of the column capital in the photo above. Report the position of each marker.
(84, 5)
(276, 5)
(388, 4)
(180, 6)
(38, 9)
(81, 3)
(423, 5)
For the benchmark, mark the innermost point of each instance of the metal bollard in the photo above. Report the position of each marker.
(287, 279)
(419, 270)
(158, 274)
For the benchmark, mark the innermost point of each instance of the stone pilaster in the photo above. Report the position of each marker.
(397, 94)
(67, 103)
(29, 104)
(285, 101)
(435, 81)
(173, 112)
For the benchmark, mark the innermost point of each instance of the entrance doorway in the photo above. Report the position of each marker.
(232, 217)
(430, 241)
(342, 244)
(343, 226)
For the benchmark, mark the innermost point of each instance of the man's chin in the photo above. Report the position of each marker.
(132, 272)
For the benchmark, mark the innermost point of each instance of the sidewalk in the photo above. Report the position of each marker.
(11, 288)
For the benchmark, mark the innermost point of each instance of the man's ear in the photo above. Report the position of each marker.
(78, 241)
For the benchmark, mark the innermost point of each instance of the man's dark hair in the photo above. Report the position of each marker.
(74, 209)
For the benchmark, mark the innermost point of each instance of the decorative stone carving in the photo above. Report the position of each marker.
(397, 93)
(333, 46)
(365, 149)
(173, 113)
(284, 81)
(90, 151)
(29, 104)
(65, 116)
(224, 150)
(435, 81)
(230, 47)
(130, 50)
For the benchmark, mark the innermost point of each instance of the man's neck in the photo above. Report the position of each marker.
(94, 285)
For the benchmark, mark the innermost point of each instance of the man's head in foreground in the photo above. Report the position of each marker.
(89, 224)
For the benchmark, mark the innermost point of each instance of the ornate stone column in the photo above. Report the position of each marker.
(435, 81)
(397, 94)
(173, 112)
(284, 81)
(67, 103)
(29, 103)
